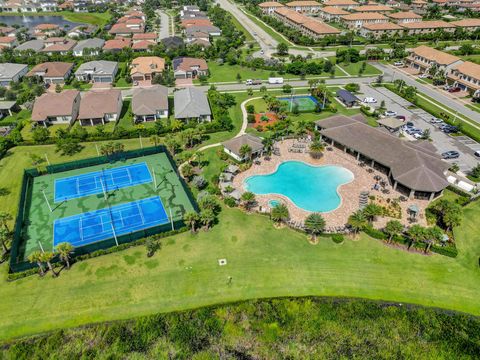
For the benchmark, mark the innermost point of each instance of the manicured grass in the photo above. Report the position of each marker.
(354, 68)
(98, 19)
(262, 261)
(83, 86)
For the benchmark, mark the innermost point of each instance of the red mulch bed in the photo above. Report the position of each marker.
(272, 119)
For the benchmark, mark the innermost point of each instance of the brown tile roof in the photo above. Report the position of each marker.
(334, 10)
(404, 15)
(147, 101)
(44, 27)
(320, 27)
(373, 8)
(61, 46)
(116, 44)
(467, 23)
(186, 63)
(412, 165)
(432, 54)
(54, 104)
(470, 69)
(145, 36)
(6, 29)
(147, 65)
(236, 143)
(143, 44)
(96, 103)
(196, 22)
(340, 3)
(292, 15)
(433, 24)
(270, 4)
(51, 69)
(303, 3)
(364, 16)
(7, 39)
(382, 26)
(123, 29)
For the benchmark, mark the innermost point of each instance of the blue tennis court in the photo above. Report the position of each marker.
(94, 226)
(97, 182)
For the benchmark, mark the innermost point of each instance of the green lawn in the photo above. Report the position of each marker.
(263, 262)
(98, 19)
(83, 86)
(353, 69)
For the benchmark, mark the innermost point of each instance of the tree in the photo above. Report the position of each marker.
(315, 224)
(64, 250)
(476, 171)
(245, 151)
(191, 219)
(172, 144)
(393, 228)
(239, 77)
(450, 213)
(287, 88)
(207, 217)
(47, 257)
(357, 221)
(155, 140)
(282, 49)
(36, 257)
(352, 87)
(4, 219)
(279, 213)
(416, 233)
(371, 211)
(248, 199)
(433, 234)
(152, 245)
(187, 171)
(316, 149)
(68, 146)
(58, 88)
(40, 134)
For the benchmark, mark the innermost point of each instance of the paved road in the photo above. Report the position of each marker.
(443, 142)
(164, 31)
(391, 73)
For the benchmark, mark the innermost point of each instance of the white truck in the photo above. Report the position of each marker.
(253, 82)
(275, 80)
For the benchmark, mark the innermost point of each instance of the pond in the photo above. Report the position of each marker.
(31, 21)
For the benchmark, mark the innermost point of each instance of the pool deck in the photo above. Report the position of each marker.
(350, 193)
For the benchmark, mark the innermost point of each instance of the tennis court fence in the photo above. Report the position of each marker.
(17, 263)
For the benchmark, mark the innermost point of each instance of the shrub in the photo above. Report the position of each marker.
(374, 233)
(199, 182)
(230, 201)
(251, 118)
(337, 238)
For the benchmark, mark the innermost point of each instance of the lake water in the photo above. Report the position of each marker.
(32, 21)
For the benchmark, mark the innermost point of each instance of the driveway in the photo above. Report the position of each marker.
(443, 142)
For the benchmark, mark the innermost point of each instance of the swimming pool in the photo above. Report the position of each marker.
(304, 102)
(312, 188)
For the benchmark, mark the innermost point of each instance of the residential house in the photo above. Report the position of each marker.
(304, 6)
(11, 6)
(210, 30)
(144, 45)
(332, 13)
(378, 30)
(269, 7)
(117, 44)
(305, 24)
(192, 14)
(56, 108)
(191, 103)
(88, 47)
(382, 9)
(196, 22)
(7, 31)
(11, 73)
(31, 45)
(468, 25)
(342, 4)
(233, 147)
(7, 108)
(347, 98)
(146, 67)
(403, 17)
(60, 46)
(150, 104)
(99, 107)
(82, 31)
(99, 71)
(418, 5)
(187, 67)
(145, 37)
(422, 58)
(426, 27)
(54, 72)
(197, 35)
(42, 31)
(8, 42)
(357, 20)
(172, 42)
(466, 76)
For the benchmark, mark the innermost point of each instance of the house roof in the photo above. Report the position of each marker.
(7, 105)
(67, 45)
(292, 15)
(196, 22)
(382, 26)
(340, 3)
(147, 65)
(373, 8)
(143, 44)
(190, 102)
(234, 145)
(470, 69)
(35, 45)
(202, 28)
(51, 69)
(98, 67)
(9, 70)
(172, 41)
(347, 96)
(7, 39)
(116, 44)
(333, 10)
(302, 3)
(94, 43)
(7, 29)
(391, 122)
(96, 103)
(413, 166)
(147, 101)
(123, 29)
(186, 63)
(319, 27)
(268, 4)
(433, 24)
(364, 16)
(404, 15)
(200, 42)
(46, 27)
(438, 56)
(145, 36)
(467, 22)
(54, 104)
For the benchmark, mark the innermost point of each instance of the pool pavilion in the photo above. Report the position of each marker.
(413, 168)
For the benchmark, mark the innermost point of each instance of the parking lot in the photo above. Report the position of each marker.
(443, 142)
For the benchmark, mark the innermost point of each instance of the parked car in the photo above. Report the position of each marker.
(401, 117)
(262, 52)
(454, 89)
(390, 113)
(398, 63)
(410, 124)
(477, 153)
(452, 154)
(369, 100)
(418, 135)
(447, 87)
(448, 129)
(424, 76)
(435, 120)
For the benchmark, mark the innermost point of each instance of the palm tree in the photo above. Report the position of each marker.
(279, 213)
(47, 258)
(187, 171)
(245, 151)
(207, 218)
(393, 228)
(248, 199)
(176, 125)
(357, 221)
(371, 211)
(452, 219)
(191, 219)
(155, 140)
(36, 257)
(416, 233)
(316, 149)
(152, 245)
(315, 224)
(433, 234)
(64, 250)
(4, 219)
(171, 143)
